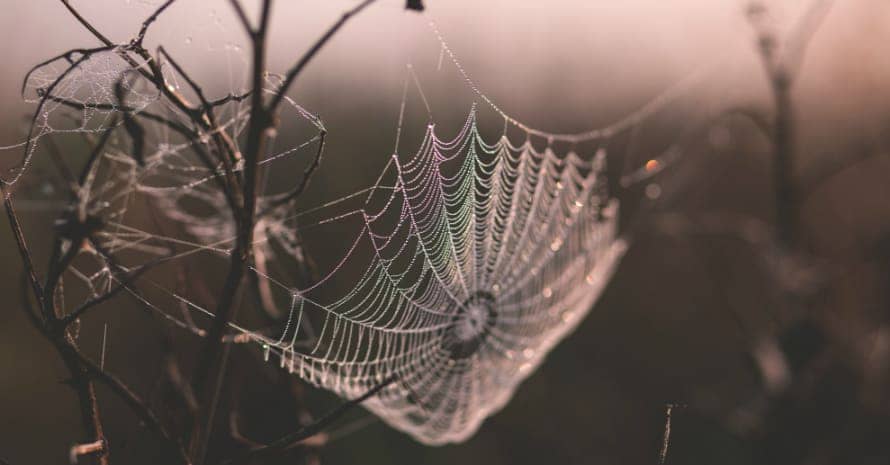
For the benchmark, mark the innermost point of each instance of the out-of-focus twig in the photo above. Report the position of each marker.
(292, 439)
(781, 59)
(666, 437)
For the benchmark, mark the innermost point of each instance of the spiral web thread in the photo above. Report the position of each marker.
(467, 260)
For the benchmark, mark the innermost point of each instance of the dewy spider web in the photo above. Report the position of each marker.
(467, 262)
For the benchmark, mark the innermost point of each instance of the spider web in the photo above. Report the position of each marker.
(465, 262)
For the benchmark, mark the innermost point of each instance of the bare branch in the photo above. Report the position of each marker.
(46, 92)
(133, 128)
(292, 439)
(62, 341)
(32, 315)
(666, 438)
(781, 70)
(188, 79)
(242, 16)
(95, 301)
(62, 166)
(307, 57)
(86, 23)
(148, 21)
(212, 358)
(137, 405)
(802, 34)
(22, 245)
(95, 153)
(307, 174)
(78, 450)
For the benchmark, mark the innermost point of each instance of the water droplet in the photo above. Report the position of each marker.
(599, 160)
(611, 209)
(652, 165)
(653, 191)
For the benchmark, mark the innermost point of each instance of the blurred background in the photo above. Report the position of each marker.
(777, 357)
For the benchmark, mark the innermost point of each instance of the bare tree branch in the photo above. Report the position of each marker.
(290, 440)
(151, 19)
(137, 405)
(307, 57)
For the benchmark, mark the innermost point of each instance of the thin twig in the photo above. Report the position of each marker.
(62, 341)
(239, 186)
(666, 438)
(307, 57)
(95, 301)
(62, 166)
(86, 23)
(32, 315)
(242, 16)
(212, 358)
(22, 245)
(307, 174)
(137, 405)
(148, 21)
(781, 69)
(78, 450)
(290, 440)
(48, 90)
